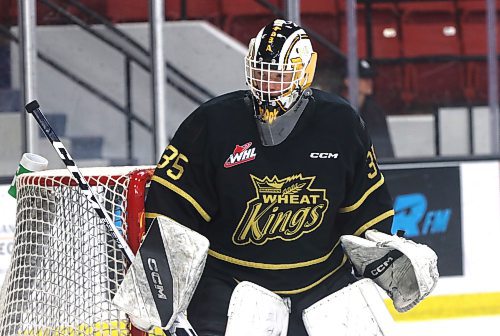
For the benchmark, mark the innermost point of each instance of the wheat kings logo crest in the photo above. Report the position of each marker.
(282, 209)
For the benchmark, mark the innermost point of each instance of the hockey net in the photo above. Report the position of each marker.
(65, 265)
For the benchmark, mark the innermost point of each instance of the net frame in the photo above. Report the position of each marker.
(65, 265)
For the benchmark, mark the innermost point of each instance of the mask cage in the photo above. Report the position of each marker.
(271, 82)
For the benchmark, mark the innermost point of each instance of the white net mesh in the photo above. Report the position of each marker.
(65, 266)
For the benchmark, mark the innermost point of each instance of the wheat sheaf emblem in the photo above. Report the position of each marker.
(287, 186)
(293, 189)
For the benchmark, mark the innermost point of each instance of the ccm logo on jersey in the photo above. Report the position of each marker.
(241, 154)
(153, 267)
(324, 155)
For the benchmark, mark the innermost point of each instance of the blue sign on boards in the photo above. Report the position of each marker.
(427, 207)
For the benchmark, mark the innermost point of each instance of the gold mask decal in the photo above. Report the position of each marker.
(268, 115)
(282, 209)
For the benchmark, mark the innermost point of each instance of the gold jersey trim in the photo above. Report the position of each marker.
(303, 289)
(314, 284)
(363, 198)
(183, 194)
(274, 267)
(153, 215)
(374, 221)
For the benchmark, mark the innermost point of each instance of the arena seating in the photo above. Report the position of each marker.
(408, 29)
(46, 15)
(131, 10)
(476, 82)
(429, 28)
(9, 13)
(244, 18)
(205, 10)
(472, 24)
(386, 38)
(323, 18)
(389, 87)
(434, 83)
(4, 10)
(137, 11)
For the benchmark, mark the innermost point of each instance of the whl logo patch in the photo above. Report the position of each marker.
(241, 154)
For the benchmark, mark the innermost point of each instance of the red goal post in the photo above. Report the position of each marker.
(66, 266)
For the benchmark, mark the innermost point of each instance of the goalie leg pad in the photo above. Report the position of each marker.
(356, 310)
(256, 311)
(407, 271)
(160, 282)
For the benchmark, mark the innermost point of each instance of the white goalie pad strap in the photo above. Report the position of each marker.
(256, 311)
(172, 287)
(406, 270)
(356, 310)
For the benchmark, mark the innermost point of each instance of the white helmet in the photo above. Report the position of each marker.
(279, 66)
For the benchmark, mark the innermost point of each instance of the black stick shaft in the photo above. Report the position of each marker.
(34, 109)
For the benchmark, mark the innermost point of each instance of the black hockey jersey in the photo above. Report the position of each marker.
(273, 215)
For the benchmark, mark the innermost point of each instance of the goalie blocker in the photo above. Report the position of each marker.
(171, 259)
(407, 271)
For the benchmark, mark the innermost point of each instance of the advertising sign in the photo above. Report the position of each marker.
(427, 207)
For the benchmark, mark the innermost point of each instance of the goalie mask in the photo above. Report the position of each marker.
(279, 67)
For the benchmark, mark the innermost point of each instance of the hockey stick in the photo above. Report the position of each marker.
(34, 109)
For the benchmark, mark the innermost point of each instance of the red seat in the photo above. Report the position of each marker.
(473, 24)
(173, 9)
(5, 18)
(429, 28)
(233, 10)
(386, 39)
(432, 83)
(328, 28)
(206, 10)
(244, 18)
(324, 7)
(97, 6)
(246, 7)
(246, 27)
(44, 14)
(138, 11)
(127, 10)
(388, 86)
(476, 82)
(322, 18)
(343, 37)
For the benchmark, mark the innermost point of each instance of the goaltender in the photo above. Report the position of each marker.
(283, 181)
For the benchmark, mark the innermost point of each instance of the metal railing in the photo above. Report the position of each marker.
(133, 53)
